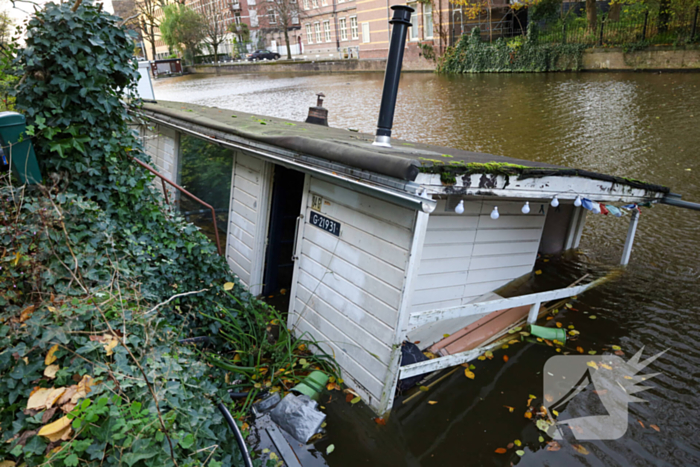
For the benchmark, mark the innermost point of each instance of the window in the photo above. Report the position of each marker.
(309, 34)
(295, 17)
(343, 29)
(253, 19)
(314, 3)
(365, 32)
(353, 27)
(306, 4)
(237, 18)
(271, 16)
(317, 29)
(327, 30)
(427, 21)
(414, 23)
(324, 2)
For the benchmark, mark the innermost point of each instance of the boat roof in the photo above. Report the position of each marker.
(405, 160)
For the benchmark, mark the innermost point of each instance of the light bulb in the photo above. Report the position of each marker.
(459, 209)
(526, 208)
(427, 208)
(494, 213)
(577, 201)
(555, 202)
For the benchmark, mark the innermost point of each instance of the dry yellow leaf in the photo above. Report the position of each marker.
(50, 371)
(469, 374)
(54, 396)
(432, 402)
(228, 286)
(52, 309)
(592, 364)
(26, 313)
(50, 356)
(7, 464)
(38, 398)
(607, 367)
(54, 431)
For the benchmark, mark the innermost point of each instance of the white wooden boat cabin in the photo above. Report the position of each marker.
(389, 244)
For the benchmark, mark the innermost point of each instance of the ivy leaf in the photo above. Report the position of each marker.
(187, 441)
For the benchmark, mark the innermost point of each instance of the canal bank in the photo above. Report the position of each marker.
(593, 59)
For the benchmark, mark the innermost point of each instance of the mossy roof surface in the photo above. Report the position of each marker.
(404, 160)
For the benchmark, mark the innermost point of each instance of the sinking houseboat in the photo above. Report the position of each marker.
(381, 241)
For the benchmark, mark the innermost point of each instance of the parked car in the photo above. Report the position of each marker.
(261, 54)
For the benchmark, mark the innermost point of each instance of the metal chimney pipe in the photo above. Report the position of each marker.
(401, 22)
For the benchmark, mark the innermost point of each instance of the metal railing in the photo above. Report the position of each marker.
(164, 179)
(648, 28)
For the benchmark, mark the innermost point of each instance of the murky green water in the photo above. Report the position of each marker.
(645, 126)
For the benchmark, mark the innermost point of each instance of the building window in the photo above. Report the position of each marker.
(306, 4)
(237, 18)
(327, 30)
(428, 20)
(414, 22)
(317, 29)
(271, 16)
(314, 3)
(324, 2)
(343, 29)
(309, 34)
(295, 17)
(353, 27)
(253, 19)
(365, 33)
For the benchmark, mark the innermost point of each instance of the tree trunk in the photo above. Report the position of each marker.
(591, 14)
(216, 53)
(664, 15)
(614, 13)
(286, 41)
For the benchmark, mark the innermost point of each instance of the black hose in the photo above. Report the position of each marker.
(239, 437)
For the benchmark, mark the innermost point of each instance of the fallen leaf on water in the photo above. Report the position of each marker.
(283, 292)
(500, 451)
(349, 397)
(510, 446)
(481, 357)
(543, 425)
(538, 272)
(574, 332)
(228, 286)
(568, 305)
(510, 409)
(571, 326)
(592, 317)
(553, 446)
(518, 443)
(616, 347)
(592, 352)
(488, 354)
(579, 349)
(505, 358)
(424, 388)
(540, 439)
(514, 341)
(592, 364)
(469, 374)
(528, 415)
(330, 449)
(580, 449)
(504, 346)
(640, 422)
(619, 353)
(559, 325)
(655, 428)
(520, 452)
(532, 397)
(380, 421)
(356, 400)
(432, 402)
(50, 356)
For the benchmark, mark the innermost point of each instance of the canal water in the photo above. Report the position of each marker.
(640, 125)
